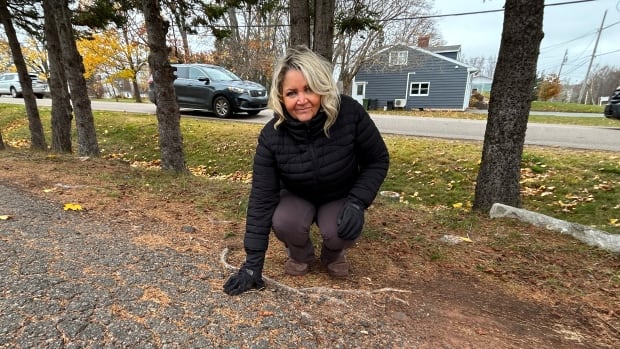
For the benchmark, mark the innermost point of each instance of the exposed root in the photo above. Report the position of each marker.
(317, 291)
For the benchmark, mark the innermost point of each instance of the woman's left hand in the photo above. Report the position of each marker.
(351, 219)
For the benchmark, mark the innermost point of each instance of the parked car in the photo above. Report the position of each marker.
(216, 89)
(10, 85)
(612, 108)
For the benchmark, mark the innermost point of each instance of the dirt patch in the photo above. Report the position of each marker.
(514, 286)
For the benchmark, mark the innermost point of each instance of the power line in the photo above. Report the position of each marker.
(567, 42)
(606, 53)
(404, 18)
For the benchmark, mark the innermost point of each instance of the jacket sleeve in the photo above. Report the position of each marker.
(264, 196)
(373, 157)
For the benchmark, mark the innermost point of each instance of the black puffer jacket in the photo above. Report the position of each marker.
(299, 157)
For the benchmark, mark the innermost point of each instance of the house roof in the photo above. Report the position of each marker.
(434, 51)
(442, 49)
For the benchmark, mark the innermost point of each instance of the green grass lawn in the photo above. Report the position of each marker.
(574, 185)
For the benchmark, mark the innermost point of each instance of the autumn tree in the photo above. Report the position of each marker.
(5, 53)
(250, 49)
(133, 55)
(549, 87)
(99, 52)
(7, 15)
(603, 82)
(168, 116)
(509, 105)
(35, 55)
(364, 28)
(115, 55)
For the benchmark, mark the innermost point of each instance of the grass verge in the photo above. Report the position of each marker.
(437, 175)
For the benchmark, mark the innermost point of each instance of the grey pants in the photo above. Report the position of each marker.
(291, 223)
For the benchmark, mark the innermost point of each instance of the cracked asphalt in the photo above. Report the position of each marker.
(80, 280)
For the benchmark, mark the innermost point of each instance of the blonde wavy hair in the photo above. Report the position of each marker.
(318, 73)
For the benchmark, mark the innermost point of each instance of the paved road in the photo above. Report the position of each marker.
(566, 136)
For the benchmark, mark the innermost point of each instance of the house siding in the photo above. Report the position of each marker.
(448, 81)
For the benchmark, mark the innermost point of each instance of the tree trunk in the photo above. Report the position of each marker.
(134, 82)
(299, 18)
(62, 112)
(323, 43)
(74, 68)
(168, 116)
(37, 137)
(509, 105)
(1, 142)
(136, 90)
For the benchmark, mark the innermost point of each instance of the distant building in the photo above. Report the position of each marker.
(415, 77)
(482, 84)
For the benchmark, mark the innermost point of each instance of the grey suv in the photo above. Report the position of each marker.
(10, 85)
(216, 89)
(612, 108)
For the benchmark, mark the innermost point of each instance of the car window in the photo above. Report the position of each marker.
(221, 74)
(195, 73)
(182, 72)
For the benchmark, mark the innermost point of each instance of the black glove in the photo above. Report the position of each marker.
(351, 219)
(246, 279)
(249, 275)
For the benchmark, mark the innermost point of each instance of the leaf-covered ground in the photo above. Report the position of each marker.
(512, 286)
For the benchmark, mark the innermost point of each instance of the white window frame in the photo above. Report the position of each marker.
(418, 87)
(399, 57)
(357, 86)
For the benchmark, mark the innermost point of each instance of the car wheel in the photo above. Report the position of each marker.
(221, 107)
(14, 93)
(39, 96)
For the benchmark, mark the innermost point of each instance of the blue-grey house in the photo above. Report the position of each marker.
(414, 77)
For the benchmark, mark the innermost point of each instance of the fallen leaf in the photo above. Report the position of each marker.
(4, 217)
(457, 205)
(49, 190)
(73, 207)
(265, 313)
(466, 239)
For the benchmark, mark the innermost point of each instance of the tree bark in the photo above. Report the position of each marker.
(74, 68)
(37, 137)
(323, 43)
(1, 142)
(299, 18)
(62, 112)
(509, 105)
(168, 116)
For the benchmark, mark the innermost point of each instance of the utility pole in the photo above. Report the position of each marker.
(585, 80)
(563, 62)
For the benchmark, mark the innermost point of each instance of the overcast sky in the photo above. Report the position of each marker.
(573, 27)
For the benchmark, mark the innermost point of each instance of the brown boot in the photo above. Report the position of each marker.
(292, 267)
(339, 268)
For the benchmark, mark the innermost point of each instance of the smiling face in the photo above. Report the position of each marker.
(299, 100)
